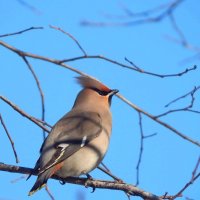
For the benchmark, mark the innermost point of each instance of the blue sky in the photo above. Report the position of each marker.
(168, 160)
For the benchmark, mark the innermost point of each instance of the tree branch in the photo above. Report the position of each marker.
(101, 184)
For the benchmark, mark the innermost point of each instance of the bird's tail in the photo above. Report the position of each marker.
(40, 182)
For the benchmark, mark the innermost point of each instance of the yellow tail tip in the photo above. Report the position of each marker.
(33, 191)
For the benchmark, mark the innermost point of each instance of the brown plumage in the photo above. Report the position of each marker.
(79, 140)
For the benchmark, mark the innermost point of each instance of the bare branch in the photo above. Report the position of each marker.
(20, 32)
(150, 135)
(182, 40)
(132, 67)
(49, 192)
(141, 149)
(157, 120)
(26, 54)
(186, 186)
(19, 179)
(154, 15)
(58, 62)
(39, 89)
(186, 108)
(101, 184)
(61, 62)
(29, 6)
(193, 178)
(177, 29)
(142, 137)
(10, 139)
(72, 37)
(16, 108)
(196, 168)
(110, 174)
(183, 96)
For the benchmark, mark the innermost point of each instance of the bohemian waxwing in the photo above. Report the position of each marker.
(78, 142)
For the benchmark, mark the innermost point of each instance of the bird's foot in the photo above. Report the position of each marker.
(89, 178)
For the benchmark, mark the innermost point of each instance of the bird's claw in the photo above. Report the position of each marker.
(93, 189)
(89, 178)
(62, 182)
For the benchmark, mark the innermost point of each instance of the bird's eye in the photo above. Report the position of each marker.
(100, 92)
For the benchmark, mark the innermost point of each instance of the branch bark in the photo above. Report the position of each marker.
(101, 184)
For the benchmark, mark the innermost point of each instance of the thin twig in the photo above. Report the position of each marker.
(196, 168)
(183, 96)
(39, 89)
(193, 178)
(29, 6)
(177, 29)
(150, 135)
(106, 168)
(49, 192)
(157, 120)
(132, 67)
(10, 139)
(144, 17)
(20, 111)
(186, 108)
(133, 64)
(19, 178)
(110, 174)
(44, 123)
(186, 186)
(177, 110)
(141, 149)
(143, 14)
(72, 37)
(182, 40)
(20, 32)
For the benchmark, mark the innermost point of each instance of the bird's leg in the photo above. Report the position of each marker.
(89, 178)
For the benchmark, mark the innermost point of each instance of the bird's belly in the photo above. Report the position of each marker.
(85, 159)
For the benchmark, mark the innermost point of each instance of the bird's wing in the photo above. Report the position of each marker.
(72, 132)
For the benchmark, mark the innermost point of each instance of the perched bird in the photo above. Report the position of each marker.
(78, 142)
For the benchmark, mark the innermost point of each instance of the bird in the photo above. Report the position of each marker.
(78, 142)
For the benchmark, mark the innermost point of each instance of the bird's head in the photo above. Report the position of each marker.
(94, 92)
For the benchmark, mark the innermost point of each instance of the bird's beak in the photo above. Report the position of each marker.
(113, 92)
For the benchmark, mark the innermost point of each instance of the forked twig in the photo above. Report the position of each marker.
(186, 186)
(72, 37)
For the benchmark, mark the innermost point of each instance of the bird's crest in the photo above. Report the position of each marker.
(88, 82)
